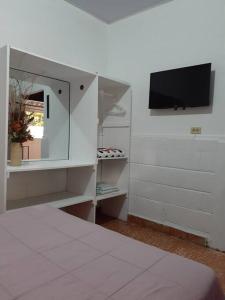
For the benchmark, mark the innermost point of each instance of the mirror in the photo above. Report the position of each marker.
(47, 100)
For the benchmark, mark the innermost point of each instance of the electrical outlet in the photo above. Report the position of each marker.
(196, 130)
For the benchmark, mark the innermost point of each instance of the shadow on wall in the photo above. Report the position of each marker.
(189, 110)
(159, 2)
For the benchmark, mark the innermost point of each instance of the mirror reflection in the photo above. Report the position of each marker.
(46, 104)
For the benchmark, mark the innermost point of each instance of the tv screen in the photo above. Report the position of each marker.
(184, 87)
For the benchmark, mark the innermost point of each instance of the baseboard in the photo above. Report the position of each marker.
(168, 230)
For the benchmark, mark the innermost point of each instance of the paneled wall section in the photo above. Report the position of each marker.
(173, 181)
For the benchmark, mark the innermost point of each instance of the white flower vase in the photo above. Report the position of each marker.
(15, 154)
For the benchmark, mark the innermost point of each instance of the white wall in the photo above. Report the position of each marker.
(54, 29)
(176, 179)
(179, 33)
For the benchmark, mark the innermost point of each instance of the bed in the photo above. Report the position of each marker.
(46, 254)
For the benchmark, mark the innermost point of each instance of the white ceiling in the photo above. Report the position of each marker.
(110, 11)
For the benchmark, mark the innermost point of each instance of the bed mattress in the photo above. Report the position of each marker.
(46, 254)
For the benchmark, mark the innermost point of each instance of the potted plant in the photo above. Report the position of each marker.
(19, 121)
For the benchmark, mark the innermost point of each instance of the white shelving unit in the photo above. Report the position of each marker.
(29, 166)
(114, 113)
(58, 200)
(72, 182)
(111, 195)
(113, 158)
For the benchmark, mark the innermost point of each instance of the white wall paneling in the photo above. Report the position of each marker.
(185, 192)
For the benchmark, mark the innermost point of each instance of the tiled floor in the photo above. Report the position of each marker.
(212, 258)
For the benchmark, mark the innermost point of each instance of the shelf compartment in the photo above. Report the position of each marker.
(85, 211)
(58, 200)
(48, 165)
(111, 195)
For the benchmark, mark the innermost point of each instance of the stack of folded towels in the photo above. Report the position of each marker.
(104, 188)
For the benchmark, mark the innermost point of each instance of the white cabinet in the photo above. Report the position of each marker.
(99, 115)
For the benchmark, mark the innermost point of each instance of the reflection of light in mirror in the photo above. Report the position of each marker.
(37, 131)
(50, 119)
(37, 126)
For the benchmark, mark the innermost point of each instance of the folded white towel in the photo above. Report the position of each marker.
(105, 188)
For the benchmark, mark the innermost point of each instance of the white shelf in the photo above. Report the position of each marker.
(48, 165)
(80, 171)
(58, 200)
(111, 195)
(113, 158)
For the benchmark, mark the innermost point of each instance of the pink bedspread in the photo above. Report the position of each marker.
(46, 254)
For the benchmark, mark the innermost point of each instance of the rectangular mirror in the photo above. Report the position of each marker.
(48, 101)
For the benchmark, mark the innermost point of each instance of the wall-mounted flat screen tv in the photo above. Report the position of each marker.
(184, 87)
